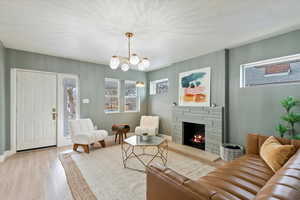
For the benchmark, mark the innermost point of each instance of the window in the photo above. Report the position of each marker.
(273, 71)
(112, 93)
(70, 99)
(159, 86)
(131, 103)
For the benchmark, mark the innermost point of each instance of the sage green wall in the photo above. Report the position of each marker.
(2, 98)
(91, 78)
(250, 110)
(254, 109)
(257, 109)
(161, 105)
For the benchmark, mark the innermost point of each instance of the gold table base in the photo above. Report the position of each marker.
(129, 153)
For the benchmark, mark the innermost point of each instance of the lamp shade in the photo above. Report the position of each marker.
(140, 84)
(125, 67)
(114, 62)
(134, 59)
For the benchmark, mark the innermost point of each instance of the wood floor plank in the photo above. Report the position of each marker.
(34, 175)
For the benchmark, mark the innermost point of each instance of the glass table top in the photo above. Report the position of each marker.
(138, 140)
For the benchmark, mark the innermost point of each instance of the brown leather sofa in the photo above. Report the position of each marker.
(248, 177)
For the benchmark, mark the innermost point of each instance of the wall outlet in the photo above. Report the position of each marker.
(85, 101)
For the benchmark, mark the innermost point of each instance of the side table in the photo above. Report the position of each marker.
(120, 131)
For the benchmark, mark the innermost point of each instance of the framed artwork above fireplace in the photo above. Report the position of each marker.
(194, 88)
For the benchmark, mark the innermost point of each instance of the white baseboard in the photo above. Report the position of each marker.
(5, 155)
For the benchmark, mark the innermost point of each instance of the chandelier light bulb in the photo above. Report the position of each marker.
(134, 59)
(114, 62)
(146, 63)
(125, 67)
(131, 59)
(141, 66)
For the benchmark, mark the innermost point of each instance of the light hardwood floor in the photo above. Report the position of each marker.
(39, 175)
(34, 175)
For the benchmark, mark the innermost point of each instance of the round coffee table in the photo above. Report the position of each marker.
(130, 145)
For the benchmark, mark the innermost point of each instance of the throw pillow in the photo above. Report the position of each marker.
(275, 154)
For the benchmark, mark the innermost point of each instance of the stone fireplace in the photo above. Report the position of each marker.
(209, 119)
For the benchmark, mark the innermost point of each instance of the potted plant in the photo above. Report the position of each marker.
(290, 118)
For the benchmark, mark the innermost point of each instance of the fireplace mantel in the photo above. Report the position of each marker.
(212, 117)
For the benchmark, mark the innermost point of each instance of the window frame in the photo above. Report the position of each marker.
(118, 96)
(152, 89)
(243, 67)
(137, 98)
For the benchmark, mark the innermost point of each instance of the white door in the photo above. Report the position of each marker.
(36, 109)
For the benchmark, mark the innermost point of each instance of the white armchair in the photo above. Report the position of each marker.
(148, 124)
(83, 134)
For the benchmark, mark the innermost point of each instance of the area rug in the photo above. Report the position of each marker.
(101, 175)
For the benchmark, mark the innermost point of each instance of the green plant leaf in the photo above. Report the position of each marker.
(289, 102)
(291, 118)
(281, 129)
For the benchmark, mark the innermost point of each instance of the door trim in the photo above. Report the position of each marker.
(13, 105)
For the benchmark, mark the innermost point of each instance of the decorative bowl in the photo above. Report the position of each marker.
(145, 136)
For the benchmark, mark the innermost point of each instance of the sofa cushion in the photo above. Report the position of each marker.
(240, 179)
(275, 154)
(285, 184)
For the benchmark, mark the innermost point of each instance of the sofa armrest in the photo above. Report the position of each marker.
(164, 183)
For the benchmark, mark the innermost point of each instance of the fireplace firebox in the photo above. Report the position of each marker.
(194, 135)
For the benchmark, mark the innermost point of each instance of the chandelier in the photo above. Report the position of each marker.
(132, 59)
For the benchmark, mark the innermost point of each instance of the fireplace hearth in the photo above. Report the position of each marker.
(194, 135)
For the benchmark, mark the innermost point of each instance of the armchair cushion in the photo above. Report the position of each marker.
(83, 132)
(100, 134)
(148, 124)
(140, 130)
(83, 138)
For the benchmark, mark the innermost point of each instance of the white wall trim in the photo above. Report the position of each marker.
(5, 155)
(273, 61)
(13, 110)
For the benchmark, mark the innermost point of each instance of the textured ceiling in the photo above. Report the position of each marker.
(167, 31)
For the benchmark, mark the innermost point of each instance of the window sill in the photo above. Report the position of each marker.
(131, 111)
(115, 112)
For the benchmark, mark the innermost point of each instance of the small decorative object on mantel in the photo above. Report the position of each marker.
(230, 152)
(290, 118)
(174, 104)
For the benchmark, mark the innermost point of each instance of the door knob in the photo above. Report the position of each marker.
(54, 114)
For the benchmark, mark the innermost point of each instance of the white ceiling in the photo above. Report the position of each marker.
(167, 31)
